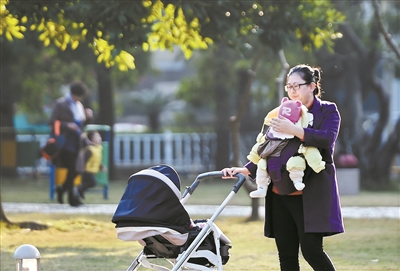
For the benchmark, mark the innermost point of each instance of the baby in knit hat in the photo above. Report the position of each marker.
(272, 142)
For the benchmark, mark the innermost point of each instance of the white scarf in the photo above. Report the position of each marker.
(77, 109)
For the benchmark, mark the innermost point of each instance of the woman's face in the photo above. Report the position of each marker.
(76, 98)
(304, 93)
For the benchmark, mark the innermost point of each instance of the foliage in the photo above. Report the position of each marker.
(69, 23)
(198, 90)
(150, 103)
(112, 29)
(359, 78)
(162, 24)
(38, 74)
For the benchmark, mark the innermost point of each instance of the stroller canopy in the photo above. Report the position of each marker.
(152, 199)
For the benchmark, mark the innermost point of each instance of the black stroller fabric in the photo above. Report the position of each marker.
(149, 201)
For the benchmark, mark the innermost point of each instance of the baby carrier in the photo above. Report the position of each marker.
(151, 212)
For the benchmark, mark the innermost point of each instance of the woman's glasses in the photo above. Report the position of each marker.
(294, 87)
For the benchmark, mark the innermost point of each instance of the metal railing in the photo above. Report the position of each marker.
(191, 152)
(186, 152)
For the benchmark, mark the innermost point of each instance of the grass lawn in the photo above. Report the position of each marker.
(89, 243)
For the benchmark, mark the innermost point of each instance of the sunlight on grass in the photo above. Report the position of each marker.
(89, 243)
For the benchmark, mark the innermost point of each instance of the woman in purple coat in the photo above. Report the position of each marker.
(304, 217)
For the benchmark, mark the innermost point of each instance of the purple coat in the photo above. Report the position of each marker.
(322, 211)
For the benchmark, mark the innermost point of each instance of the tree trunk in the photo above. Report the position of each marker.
(376, 169)
(349, 75)
(7, 103)
(106, 109)
(222, 109)
(3, 217)
(236, 120)
(22, 225)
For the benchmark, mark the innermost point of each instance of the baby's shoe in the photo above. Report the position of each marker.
(261, 192)
(299, 185)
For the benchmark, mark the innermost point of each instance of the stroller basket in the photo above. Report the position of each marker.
(159, 247)
(151, 211)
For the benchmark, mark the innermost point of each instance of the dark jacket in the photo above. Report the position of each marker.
(322, 211)
(63, 113)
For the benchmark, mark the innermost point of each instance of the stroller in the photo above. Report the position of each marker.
(151, 212)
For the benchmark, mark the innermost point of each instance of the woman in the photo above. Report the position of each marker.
(304, 217)
(69, 111)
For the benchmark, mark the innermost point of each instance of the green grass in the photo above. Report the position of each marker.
(89, 242)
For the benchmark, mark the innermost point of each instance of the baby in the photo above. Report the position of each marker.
(272, 143)
(92, 162)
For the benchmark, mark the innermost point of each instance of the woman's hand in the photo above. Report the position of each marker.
(88, 113)
(282, 125)
(230, 172)
(285, 126)
(73, 126)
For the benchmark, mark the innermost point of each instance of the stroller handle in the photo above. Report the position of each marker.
(205, 175)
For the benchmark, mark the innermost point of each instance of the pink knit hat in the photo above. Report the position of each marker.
(290, 109)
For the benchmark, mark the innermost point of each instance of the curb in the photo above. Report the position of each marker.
(194, 210)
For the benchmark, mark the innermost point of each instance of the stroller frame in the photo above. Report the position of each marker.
(181, 262)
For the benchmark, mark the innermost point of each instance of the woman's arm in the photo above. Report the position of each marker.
(320, 137)
(326, 134)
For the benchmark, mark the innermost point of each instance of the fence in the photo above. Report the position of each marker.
(187, 153)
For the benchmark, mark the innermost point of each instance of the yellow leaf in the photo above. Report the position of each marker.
(203, 45)
(188, 53)
(41, 26)
(18, 35)
(74, 44)
(127, 59)
(8, 36)
(147, 3)
(46, 42)
(209, 41)
(43, 36)
(57, 43)
(122, 67)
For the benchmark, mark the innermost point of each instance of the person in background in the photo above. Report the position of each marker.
(92, 157)
(302, 218)
(71, 114)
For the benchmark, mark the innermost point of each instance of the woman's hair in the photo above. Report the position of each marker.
(78, 88)
(309, 74)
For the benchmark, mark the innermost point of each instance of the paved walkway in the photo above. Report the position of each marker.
(193, 210)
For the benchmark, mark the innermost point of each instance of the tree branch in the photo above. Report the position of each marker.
(383, 30)
(281, 79)
(353, 39)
